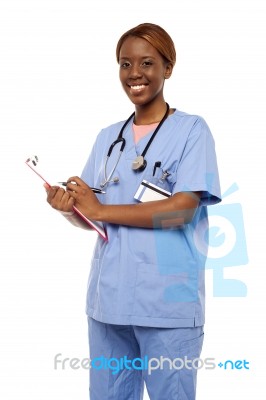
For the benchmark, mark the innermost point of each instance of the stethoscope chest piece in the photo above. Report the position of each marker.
(139, 164)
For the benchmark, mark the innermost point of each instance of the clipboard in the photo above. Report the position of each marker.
(32, 163)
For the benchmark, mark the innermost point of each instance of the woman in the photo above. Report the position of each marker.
(145, 301)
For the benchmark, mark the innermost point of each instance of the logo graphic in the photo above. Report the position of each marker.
(227, 246)
(117, 365)
(218, 240)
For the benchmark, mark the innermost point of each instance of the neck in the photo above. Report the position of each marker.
(145, 115)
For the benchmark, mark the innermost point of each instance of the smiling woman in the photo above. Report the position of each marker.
(146, 55)
(146, 286)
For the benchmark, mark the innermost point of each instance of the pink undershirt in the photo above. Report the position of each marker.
(142, 130)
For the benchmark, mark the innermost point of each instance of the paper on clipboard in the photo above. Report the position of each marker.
(32, 163)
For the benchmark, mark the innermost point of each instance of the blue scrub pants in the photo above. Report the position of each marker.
(120, 355)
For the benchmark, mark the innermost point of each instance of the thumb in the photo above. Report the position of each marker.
(46, 187)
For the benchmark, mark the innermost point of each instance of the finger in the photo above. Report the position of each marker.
(51, 193)
(62, 201)
(61, 195)
(70, 202)
(56, 200)
(72, 187)
(67, 201)
(76, 180)
(72, 193)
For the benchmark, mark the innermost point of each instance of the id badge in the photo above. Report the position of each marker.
(149, 192)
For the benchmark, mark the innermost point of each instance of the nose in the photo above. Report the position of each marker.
(135, 72)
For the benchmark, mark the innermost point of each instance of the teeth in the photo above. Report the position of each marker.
(137, 87)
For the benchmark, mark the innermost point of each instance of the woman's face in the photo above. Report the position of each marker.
(142, 71)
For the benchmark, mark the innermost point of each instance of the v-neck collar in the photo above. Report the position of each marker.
(133, 149)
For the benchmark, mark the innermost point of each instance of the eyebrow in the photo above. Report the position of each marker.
(128, 58)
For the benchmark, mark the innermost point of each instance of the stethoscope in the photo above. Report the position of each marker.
(139, 164)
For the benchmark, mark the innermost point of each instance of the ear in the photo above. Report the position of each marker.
(168, 70)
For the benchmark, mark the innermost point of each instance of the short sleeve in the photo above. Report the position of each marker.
(88, 173)
(197, 169)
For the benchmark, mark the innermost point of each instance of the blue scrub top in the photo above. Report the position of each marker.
(153, 277)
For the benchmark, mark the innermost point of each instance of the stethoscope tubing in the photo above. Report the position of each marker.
(118, 140)
(109, 178)
(123, 143)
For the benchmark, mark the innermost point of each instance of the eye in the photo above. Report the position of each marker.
(147, 63)
(125, 64)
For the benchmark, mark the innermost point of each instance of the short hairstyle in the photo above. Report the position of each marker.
(156, 36)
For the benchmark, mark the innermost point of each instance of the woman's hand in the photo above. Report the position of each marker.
(181, 206)
(83, 197)
(59, 199)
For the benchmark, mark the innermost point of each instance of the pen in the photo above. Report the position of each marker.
(156, 165)
(95, 190)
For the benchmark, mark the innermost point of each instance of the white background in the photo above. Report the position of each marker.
(58, 87)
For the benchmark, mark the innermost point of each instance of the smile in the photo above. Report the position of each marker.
(137, 87)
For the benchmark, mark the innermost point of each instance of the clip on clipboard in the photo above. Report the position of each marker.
(32, 163)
